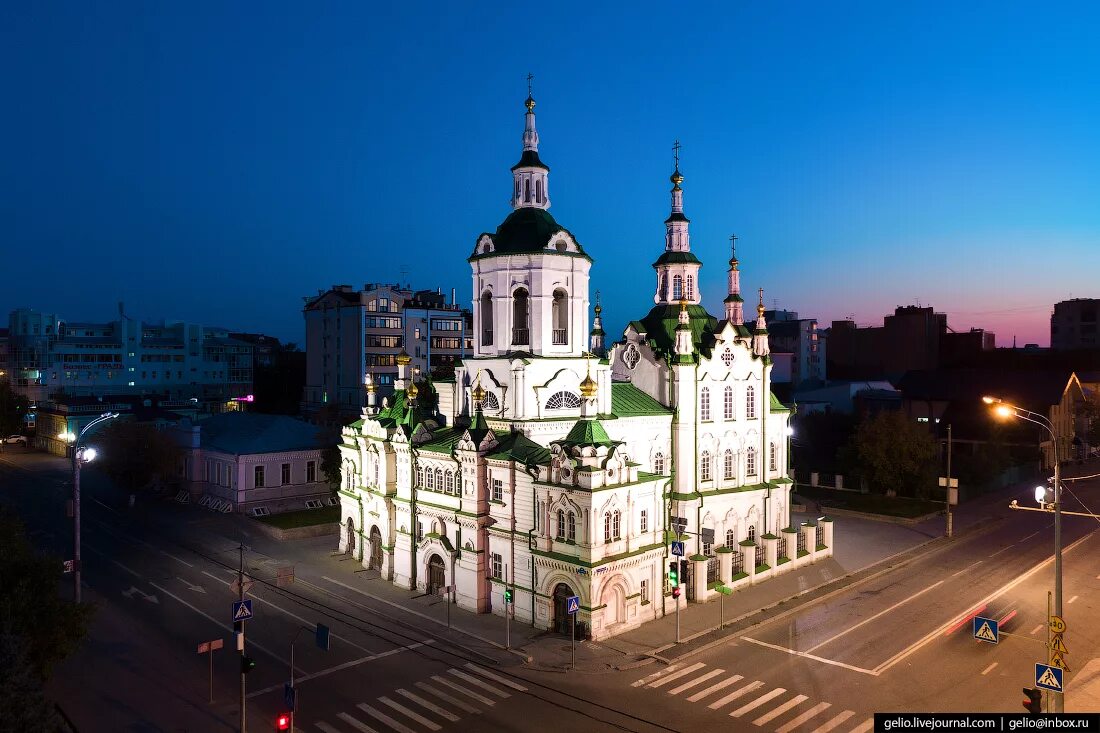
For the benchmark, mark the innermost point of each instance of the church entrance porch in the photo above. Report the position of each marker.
(436, 575)
(375, 562)
(562, 622)
(350, 546)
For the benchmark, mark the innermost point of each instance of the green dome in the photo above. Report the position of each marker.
(527, 230)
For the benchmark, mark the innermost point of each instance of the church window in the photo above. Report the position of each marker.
(643, 591)
(631, 356)
(563, 401)
(616, 518)
(704, 466)
(677, 287)
(448, 482)
(538, 191)
(517, 190)
(662, 285)
(727, 402)
(419, 475)
(429, 480)
(659, 463)
(561, 524)
(486, 318)
(439, 486)
(750, 402)
(731, 538)
(527, 191)
(491, 402)
(498, 490)
(607, 526)
(750, 461)
(376, 472)
(773, 458)
(689, 289)
(704, 404)
(571, 527)
(727, 357)
(752, 533)
(521, 335)
(727, 461)
(560, 317)
(643, 524)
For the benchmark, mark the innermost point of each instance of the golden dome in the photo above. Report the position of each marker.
(677, 178)
(403, 358)
(530, 103)
(760, 310)
(588, 387)
(478, 394)
(412, 391)
(371, 387)
(599, 309)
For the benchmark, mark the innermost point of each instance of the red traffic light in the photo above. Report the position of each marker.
(1034, 702)
(676, 592)
(282, 722)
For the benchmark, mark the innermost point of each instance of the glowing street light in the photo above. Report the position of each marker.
(81, 454)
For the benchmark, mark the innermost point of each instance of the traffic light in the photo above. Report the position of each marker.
(507, 595)
(247, 664)
(282, 722)
(683, 571)
(1034, 702)
(676, 591)
(674, 574)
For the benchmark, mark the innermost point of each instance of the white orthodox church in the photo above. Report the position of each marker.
(552, 467)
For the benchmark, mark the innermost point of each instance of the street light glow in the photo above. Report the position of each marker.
(1003, 411)
(1040, 494)
(88, 455)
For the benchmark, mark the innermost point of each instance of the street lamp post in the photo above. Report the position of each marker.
(1005, 409)
(81, 454)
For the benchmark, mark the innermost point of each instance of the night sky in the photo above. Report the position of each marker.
(215, 162)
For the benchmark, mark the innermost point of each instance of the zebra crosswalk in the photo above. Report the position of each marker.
(749, 699)
(436, 701)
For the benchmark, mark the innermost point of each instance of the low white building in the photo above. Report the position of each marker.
(546, 472)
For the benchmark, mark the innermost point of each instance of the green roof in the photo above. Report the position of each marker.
(629, 401)
(676, 258)
(518, 447)
(527, 230)
(661, 322)
(443, 441)
(733, 298)
(776, 404)
(586, 432)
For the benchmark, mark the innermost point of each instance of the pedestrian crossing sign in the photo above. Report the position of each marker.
(985, 629)
(1048, 677)
(242, 610)
(572, 604)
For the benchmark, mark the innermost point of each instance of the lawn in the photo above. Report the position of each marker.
(304, 518)
(870, 503)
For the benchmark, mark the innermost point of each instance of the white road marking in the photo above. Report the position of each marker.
(773, 714)
(715, 688)
(353, 722)
(337, 668)
(864, 726)
(812, 712)
(807, 655)
(498, 678)
(444, 696)
(880, 613)
(654, 675)
(1032, 633)
(996, 594)
(441, 712)
(676, 675)
(196, 588)
(177, 559)
(429, 724)
(960, 572)
(735, 694)
(989, 669)
(474, 680)
(97, 501)
(696, 681)
(468, 693)
(834, 722)
(384, 718)
(758, 702)
(1071, 600)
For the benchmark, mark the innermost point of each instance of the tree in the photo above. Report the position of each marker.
(894, 452)
(136, 455)
(13, 407)
(37, 628)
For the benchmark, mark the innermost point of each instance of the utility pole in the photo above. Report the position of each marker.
(240, 597)
(950, 522)
(76, 522)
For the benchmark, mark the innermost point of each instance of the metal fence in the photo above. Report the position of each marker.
(801, 543)
(819, 535)
(738, 566)
(759, 555)
(712, 569)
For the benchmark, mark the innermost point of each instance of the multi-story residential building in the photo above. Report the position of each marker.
(542, 473)
(51, 355)
(351, 333)
(1073, 324)
(797, 348)
(71, 414)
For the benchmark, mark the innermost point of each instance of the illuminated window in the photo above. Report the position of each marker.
(704, 404)
(704, 466)
(727, 402)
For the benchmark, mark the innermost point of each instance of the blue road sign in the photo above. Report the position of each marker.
(290, 698)
(677, 548)
(1048, 677)
(572, 604)
(985, 629)
(242, 610)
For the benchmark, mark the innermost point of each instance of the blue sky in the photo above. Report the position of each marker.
(215, 164)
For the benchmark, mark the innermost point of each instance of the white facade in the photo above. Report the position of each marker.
(548, 473)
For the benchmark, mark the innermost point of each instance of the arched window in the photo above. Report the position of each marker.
(527, 191)
(659, 463)
(607, 526)
(349, 476)
(520, 312)
(563, 401)
(561, 524)
(662, 285)
(727, 462)
(517, 190)
(750, 402)
(538, 190)
(449, 482)
(419, 476)
(571, 533)
(491, 402)
(439, 479)
(773, 458)
(704, 466)
(752, 533)
(486, 318)
(376, 472)
(616, 524)
(727, 402)
(704, 404)
(677, 287)
(429, 480)
(689, 289)
(750, 461)
(731, 538)
(560, 317)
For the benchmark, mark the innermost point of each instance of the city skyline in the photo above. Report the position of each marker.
(878, 159)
